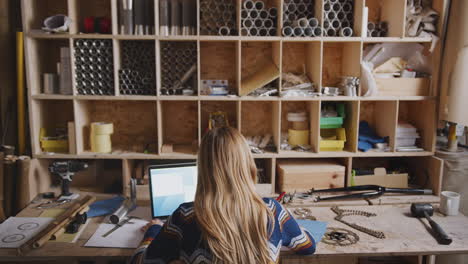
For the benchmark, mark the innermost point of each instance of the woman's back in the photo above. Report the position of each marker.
(181, 238)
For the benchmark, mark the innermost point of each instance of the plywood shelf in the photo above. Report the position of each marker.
(181, 120)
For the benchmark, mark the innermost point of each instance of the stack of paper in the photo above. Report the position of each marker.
(406, 137)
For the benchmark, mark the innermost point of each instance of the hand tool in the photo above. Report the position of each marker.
(66, 170)
(119, 225)
(366, 192)
(427, 210)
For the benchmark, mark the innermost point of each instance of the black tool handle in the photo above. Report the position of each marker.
(440, 234)
(408, 191)
(66, 187)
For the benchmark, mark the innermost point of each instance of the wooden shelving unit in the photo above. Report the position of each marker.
(143, 124)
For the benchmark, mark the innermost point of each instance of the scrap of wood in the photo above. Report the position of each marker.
(167, 148)
(267, 74)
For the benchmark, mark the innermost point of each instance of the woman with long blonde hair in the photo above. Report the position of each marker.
(228, 222)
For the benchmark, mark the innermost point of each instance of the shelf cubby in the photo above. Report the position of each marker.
(259, 118)
(135, 124)
(265, 176)
(422, 171)
(303, 58)
(219, 60)
(81, 9)
(422, 115)
(50, 115)
(312, 110)
(256, 58)
(230, 108)
(38, 11)
(340, 59)
(176, 59)
(390, 11)
(381, 117)
(136, 67)
(44, 54)
(350, 124)
(179, 126)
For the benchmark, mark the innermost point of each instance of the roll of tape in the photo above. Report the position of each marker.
(101, 143)
(298, 137)
(297, 117)
(102, 128)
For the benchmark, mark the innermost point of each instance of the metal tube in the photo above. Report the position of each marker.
(298, 31)
(370, 26)
(272, 32)
(331, 15)
(313, 22)
(253, 31)
(258, 23)
(350, 16)
(244, 32)
(244, 14)
(259, 5)
(309, 32)
(268, 23)
(336, 24)
(303, 22)
(224, 31)
(346, 32)
(175, 17)
(253, 13)
(288, 31)
(248, 4)
(331, 32)
(347, 7)
(301, 8)
(375, 33)
(345, 23)
(341, 15)
(273, 12)
(248, 23)
(336, 7)
(264, 14)
(317, 32)
(327, 7)
(263, 32)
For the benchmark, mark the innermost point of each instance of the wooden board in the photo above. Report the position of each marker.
(217, 62)
(340, 59)
(180, 122)
(403, 86)
(252, 115)
(405, 235)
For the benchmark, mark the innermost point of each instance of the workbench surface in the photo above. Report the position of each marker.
(405, 235)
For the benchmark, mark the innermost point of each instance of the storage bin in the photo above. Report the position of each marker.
(334, 122)
(298, 137)
(303, 175)
(332, 144)
(381, 178)
(48, 145)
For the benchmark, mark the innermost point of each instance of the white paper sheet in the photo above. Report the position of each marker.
(16, 231)
(127, 236)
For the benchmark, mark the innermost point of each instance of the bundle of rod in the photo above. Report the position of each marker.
(338, 18)
(257, 19)
(218, 17)
(177, 17)
(94, 66)
(178, 68)
(137, 74)
(299, 20)
(136, 17)
(376, 30)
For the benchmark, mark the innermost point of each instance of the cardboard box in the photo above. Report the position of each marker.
(303, 175)
(381, 178)
(403, 86)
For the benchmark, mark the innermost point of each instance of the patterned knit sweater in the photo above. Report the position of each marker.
(180, 238)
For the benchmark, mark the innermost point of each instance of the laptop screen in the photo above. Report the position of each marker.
(170, 186)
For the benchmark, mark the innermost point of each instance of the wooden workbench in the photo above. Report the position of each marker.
(406, 236)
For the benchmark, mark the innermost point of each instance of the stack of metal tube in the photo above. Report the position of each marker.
(137, 74)
(94, 66)
(377, 30)
(338, 18)
(299, 20)
(257, 20)
(178, 68)
(177, 17)
(136, 17)
(218, 17)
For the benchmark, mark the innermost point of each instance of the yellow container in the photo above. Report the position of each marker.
(59, 146)
(298, 137)
(332, 139)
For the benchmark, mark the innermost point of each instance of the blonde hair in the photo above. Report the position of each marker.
(234, 220)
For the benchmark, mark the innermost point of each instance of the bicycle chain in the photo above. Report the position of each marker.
(345, 212)
(340, 237)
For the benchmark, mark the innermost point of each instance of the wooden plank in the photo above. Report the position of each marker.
(403, 86)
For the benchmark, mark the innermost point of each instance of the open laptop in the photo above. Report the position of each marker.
(171, 185)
